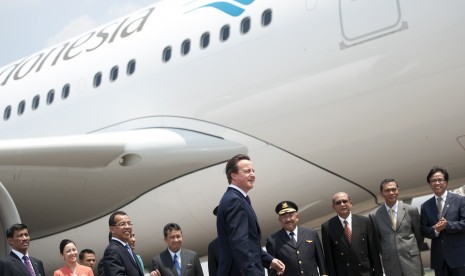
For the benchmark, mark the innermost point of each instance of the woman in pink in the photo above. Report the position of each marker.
(71, 268)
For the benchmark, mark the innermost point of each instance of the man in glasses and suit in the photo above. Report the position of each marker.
(349, 243)
(119, 259)
(443, 221)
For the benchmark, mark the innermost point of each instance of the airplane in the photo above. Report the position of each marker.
(142, 113)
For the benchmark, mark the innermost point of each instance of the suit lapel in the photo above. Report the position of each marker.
(18, 263)
(183, 262)
(385, 215)
(169, 260)
(132, 258)
(446, 205)
(285, 238)
(340, 233)
(400, 213)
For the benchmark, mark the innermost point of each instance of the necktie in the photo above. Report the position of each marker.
(439, 206)
(29, 265)
(348, 232)
(130, 251)
(393, 218)
(176, 264)
(291, 234)
(247, 198)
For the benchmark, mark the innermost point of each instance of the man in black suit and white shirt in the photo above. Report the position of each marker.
(118, 259)
(175, 260)
(349, 243)
(18, 262)
(239, 233)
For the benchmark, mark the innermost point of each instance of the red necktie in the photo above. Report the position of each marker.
(348, 232)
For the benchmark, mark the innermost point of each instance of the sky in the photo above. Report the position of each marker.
(28, 26)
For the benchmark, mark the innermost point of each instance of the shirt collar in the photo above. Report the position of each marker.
(444, 196)
(394, 208)
(19, 254)
(349, 219)
(237, 188)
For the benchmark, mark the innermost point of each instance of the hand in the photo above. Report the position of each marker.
(441, 225)
(155, 273)
(278, 265)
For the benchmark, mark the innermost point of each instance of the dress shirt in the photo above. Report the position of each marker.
(349, 221)
(295, 233)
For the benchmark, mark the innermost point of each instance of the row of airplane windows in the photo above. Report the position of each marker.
(225, 31)
(66, 90)
(245, 26)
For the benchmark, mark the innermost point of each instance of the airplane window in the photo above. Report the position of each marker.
(97, 79)
(7, 113)
(114, 73)
(65, 92)
(35, 102)
(245, 25)
(224, 33)
(166, 54)
(131, 67)
(266, 18)
(205, 40)
(50, 96)
(21, 107)
(185, 47)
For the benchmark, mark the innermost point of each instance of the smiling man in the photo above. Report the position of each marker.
(18, 262)
(443, 221)
(297, 247)
(118, 259)
(239, 233)
(397, 226)
(349, 243)
(175, 260)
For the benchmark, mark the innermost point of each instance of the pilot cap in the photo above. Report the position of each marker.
(286, 207)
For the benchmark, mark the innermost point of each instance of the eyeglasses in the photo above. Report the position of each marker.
(340, 202)
(123, 224)
(438, 180)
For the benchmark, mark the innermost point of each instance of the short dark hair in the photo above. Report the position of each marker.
(436, 169)
(387, 180)
(170, 227)
(15, 227)
(85, 251)
(63, 243)
(111, 220)
(231, 166)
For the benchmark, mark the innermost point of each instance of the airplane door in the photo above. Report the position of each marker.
(363, 20)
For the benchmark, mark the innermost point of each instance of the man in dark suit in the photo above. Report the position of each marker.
(397, 226)
(443, 221)
(213, 252)
(239, 234)
(297, 247)
(349, 243)
(18, 262)
(175, 260)
(118, 258)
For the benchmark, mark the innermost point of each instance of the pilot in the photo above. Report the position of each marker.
(297, 247)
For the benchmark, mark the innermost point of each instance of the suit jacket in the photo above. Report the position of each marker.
(213, 257)
(80, 270)
(117, 261)
(12, 265)
(400, 248)
(359, 258)
(449, 246)
(190, 264)
(239, 237)
(305, 258)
